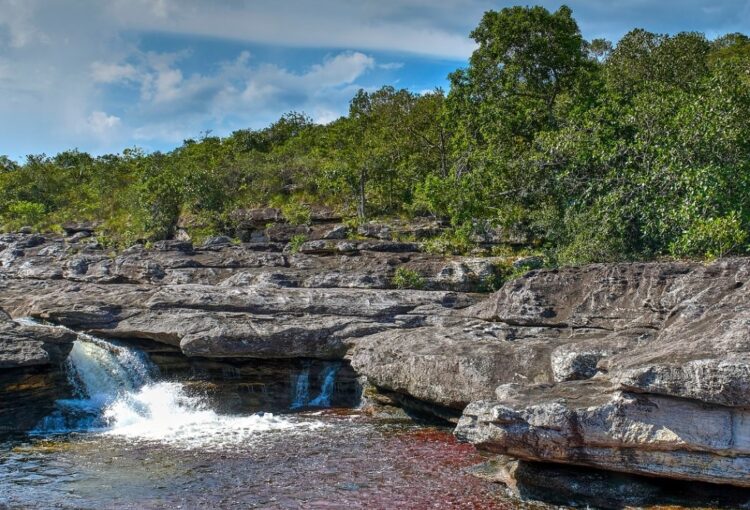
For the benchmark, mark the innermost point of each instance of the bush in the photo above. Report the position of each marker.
(296, 213)
(711, 238)
(296, 242)
(22, 213)
(405, 278)
(456, 241)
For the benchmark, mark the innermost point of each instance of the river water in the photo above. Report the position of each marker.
(131, 440)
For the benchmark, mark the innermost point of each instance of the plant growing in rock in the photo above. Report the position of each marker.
(296, 242)
(296, 213)
(405, 278)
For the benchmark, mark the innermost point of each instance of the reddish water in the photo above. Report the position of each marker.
(351, 462)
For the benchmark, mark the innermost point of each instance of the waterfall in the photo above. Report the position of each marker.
(100, 373)
(117, 392)
(302, 388)
(326, 389)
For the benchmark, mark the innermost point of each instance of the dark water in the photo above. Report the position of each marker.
(325, 460)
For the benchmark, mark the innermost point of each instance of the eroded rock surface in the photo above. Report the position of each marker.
(636, 368)
(252, 300)
(31, 372)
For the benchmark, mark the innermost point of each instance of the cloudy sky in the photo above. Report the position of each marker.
(101, 75)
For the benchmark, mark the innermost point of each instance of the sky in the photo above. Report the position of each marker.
(102, 75)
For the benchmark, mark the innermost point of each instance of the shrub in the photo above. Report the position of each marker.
(296, 242)
(296, 213)
(405, 278)
(711, 238)
(456, 241)
(21, 213)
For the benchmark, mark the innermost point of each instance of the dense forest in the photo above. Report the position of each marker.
(594, 151)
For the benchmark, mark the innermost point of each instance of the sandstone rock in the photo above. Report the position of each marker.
(324, 214)
(31, 373)
(23, 345)
(72, 228)
(78, 236)
(181, 235)
(636, 368)
(216, 242)
(336, 232)
(647, 435)
(532, 262)
(255, 218)
(283, 233)
(176, 245)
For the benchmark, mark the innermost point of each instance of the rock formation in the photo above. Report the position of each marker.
(642, 369)
(31, 372)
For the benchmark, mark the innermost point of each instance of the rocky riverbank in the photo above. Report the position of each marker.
(641, 369)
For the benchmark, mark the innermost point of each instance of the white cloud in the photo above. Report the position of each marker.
(409, 26)
(76, 72)
(101, 124)
(17, 17)
(112, 73)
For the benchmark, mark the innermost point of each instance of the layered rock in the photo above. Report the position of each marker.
(236, 321)
(31, 372)
(222, 300)
(636, 368)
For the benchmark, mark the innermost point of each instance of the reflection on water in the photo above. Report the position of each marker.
(350, 462)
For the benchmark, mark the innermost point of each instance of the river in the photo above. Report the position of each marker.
(129, 439)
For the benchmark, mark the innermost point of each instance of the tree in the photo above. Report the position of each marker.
(526, 58)
(643, 58)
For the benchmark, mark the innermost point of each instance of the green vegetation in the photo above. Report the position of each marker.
(595, 151)
(296, 242)
(405, 278)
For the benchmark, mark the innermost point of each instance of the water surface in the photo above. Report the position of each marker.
(129, 439)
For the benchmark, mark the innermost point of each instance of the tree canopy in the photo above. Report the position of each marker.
(591, 150)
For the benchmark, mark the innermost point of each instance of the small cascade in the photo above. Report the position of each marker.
(302, 388)
(326, 389)
(99, 372)
(117, 392)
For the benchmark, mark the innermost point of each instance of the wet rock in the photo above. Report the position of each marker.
(31, 372)
(23, 345)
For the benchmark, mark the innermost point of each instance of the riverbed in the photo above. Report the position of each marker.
(330, 459)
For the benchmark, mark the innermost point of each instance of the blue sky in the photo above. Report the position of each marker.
(101, 75)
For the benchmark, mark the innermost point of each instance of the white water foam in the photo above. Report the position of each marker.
(163, 412)
(118, 395)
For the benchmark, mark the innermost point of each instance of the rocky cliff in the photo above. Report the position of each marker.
(32, 376)
(635, 368)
